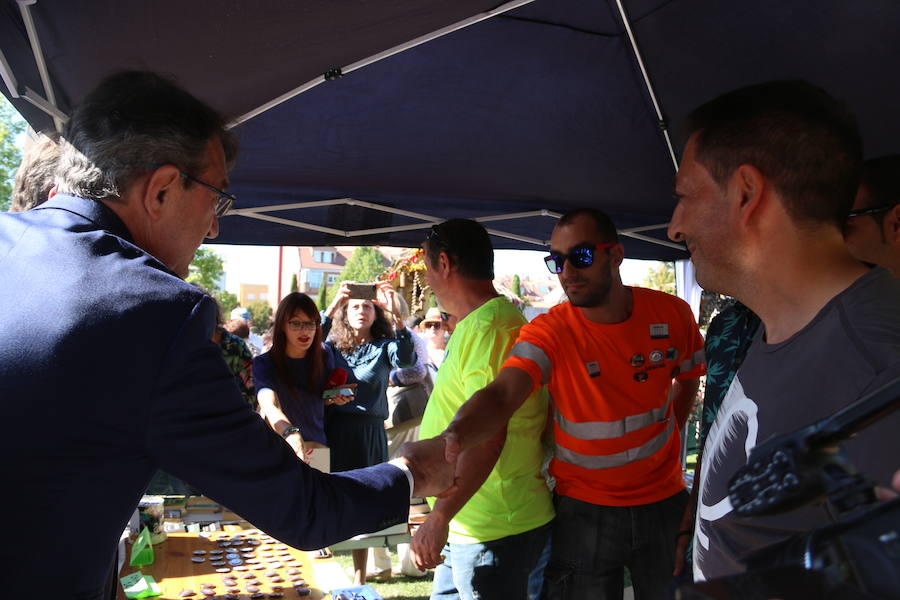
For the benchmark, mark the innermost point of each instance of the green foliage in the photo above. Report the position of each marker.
(294, 287)
(330, 293)
(516, 287)
(432, 301)
(662, 278)
(227, 301)
(206, 269)
(260, 313)
(322, 299)
(712, 304)
(11, 125)
(365, 265)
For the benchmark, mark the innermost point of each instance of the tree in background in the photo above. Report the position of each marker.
(294, 287)
(366, 264)
(206, 270)
(516, 287)
(322, 300)
(11, 125)
(227, 301)
(662, 278)
(260, 313)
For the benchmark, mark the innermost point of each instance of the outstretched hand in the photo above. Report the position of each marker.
(428, 541)
(389, 301)
(432, 474)
(342, 295)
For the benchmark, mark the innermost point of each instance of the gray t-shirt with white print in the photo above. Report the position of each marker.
(850, 348)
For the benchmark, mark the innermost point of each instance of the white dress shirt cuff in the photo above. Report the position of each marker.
(400, 464)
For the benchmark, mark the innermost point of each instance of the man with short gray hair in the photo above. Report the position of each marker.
(106, 366)
(35, 175)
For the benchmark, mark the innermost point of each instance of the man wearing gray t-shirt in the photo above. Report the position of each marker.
(767, 178)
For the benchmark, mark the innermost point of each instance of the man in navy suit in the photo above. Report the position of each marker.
(107, 371)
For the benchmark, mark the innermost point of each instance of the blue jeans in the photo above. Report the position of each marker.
(593, 544)
(536, 577)
(497, 569)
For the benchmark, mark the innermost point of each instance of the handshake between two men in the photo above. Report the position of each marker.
(432, 463)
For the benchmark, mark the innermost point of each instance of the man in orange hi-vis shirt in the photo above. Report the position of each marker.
(622, 365)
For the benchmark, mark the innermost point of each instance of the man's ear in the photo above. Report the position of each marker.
(617, 254)
(159, 190)
(445, 264)
(749, 184)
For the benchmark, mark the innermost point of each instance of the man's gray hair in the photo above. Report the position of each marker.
(35, 175)
(132, 123)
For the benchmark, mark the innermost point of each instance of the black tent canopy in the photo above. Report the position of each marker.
(511, 114)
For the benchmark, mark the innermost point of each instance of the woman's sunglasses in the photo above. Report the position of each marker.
(580, 257)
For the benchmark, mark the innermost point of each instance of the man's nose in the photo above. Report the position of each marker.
(674, 230)
(567, 269)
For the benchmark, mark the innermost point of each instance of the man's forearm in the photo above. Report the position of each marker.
(490, 408)
(683, 394)
(472, 469)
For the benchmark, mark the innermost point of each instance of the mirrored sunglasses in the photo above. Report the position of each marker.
(580, 257)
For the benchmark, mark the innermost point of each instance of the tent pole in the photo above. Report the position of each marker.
(521, 215)
(27, 94)
(644, 228)
(280, 273)
(637, 55)
(259, 212)
(338, 72)
(39, 57)
(646, 238)
(35, 98)
(7, 75)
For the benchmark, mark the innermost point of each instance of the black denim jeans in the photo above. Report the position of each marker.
(495, 570)
(593, 544)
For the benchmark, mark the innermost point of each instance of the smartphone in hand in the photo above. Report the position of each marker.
(362, 291)
(348, 389)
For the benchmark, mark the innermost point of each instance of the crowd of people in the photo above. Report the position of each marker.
(775, 206)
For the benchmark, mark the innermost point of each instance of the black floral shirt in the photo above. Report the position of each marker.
(240, 361)
(727, 341)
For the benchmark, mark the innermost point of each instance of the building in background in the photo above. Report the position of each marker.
(320, 264)
(323, 264)
(253, 292)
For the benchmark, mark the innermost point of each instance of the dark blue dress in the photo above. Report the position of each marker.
(355, 430)
(302, 406)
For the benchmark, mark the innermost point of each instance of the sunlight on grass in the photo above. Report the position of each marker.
(398, 587)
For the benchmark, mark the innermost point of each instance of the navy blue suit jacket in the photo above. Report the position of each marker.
(107, 373)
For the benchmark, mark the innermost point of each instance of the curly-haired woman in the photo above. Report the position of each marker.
(369, 347)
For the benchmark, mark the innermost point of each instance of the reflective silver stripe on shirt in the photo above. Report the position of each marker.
(604, 430)
(697, 358)
(534, 353)
(609, 461)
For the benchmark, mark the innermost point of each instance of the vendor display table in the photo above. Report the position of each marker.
(175, 572)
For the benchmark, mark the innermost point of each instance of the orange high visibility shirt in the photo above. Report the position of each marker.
(617, 443)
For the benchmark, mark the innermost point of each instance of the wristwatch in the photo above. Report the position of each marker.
(289, 430)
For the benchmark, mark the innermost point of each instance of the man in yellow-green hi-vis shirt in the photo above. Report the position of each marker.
(486, 537)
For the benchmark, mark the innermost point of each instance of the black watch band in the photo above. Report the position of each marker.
(289, 430)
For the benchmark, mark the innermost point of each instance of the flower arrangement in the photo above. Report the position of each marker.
(407, 273)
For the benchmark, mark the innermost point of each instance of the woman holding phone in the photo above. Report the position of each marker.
(360, 331)
(291, 376)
